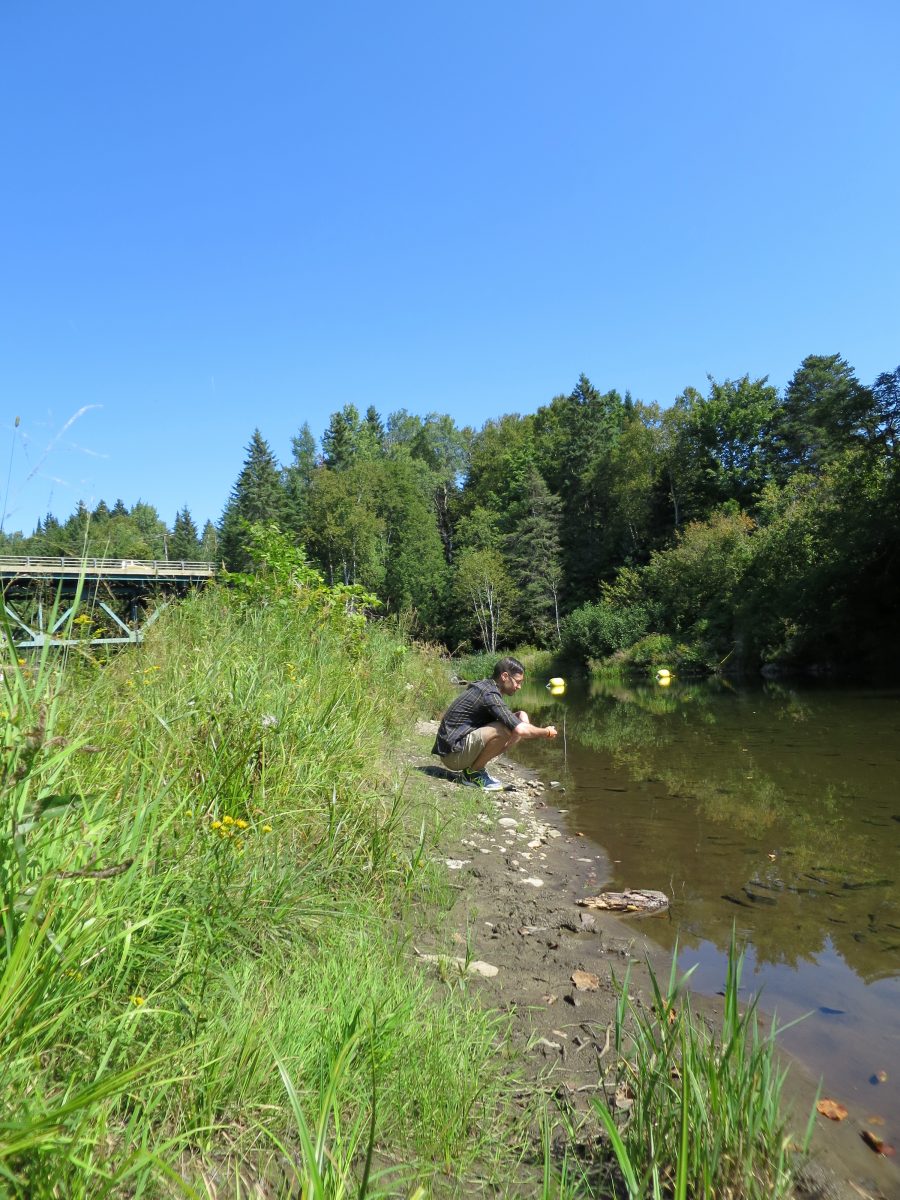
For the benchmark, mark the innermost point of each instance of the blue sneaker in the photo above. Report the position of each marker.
(481, 779)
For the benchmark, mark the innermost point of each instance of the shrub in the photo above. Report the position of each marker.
(598, 630)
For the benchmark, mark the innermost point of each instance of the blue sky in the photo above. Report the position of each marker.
(222, 216)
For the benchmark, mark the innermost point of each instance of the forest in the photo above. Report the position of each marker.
(737, 527)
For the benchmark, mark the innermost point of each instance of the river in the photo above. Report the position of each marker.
(770, 809)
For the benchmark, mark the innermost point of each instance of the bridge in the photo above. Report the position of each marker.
(75, 581)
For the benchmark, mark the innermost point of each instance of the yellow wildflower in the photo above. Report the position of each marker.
(241, 824)
(137, 1001)
(267, 828)
(228, 820)
(216, 825)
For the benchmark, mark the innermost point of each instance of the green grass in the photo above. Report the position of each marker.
(204, 842)
(704, 1112)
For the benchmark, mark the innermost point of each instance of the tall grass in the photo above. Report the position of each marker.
(704, 1112)
(202, 842)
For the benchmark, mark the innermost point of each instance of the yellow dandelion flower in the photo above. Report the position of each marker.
(216, 825)
(241, 824)
(190, 812)
(228, 820)
(267, 828)
(137, 1001)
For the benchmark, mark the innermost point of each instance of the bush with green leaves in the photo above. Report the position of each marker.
(595, 631)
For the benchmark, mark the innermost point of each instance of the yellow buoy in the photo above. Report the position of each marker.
(663, 673)
(556, 681)
(557, 691)
(664, 680)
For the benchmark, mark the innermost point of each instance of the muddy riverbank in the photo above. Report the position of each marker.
(517, 875)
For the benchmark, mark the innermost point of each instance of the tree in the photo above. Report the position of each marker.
(371, 435)
(209, 543)
(258, 496)
(341, 440)
(484, 592)
(824, 412)
(886, 410)
(535, 561)
(415, 570)
(154, 532)
(184, 543)
(298, 476)
(344, 531)
(436, 442)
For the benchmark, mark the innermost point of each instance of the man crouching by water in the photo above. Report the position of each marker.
(478, 726)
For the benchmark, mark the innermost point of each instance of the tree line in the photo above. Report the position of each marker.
(738, 525)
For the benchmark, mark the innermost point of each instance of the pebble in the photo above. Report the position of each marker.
(533, 881)
(508, 822)
(456, 864)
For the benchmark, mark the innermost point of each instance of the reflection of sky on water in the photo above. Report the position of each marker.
(839, 1040)
(766, 810)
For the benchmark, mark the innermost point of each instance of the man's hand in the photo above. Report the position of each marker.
(550, 731)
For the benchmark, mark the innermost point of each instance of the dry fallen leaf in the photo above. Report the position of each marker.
(586, 981)
(876, 1143)
(551, 999)
(875, 1120)
(832, 1110)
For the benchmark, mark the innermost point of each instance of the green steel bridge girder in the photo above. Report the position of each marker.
(34, 638)
(130, 580)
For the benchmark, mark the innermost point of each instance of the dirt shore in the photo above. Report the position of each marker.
(517, 874)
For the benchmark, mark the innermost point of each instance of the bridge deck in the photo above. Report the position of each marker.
(130, 570)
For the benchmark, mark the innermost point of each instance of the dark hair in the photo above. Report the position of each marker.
(508, 664)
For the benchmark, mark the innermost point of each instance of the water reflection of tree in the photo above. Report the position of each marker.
(825, 881)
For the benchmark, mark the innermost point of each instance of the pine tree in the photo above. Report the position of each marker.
(209, 543)
(258, 496)
(184, 543)
(535, 561)
(298, 477)
(340, 441)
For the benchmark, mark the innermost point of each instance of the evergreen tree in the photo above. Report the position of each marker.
(298, 477)
(371, 435)
(119, 509)
(534, 556)
(825, 411)
(184, 543)
(257, 496)
(340, 441)
(209, 543)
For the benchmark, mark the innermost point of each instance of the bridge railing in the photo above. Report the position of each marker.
(32, 564)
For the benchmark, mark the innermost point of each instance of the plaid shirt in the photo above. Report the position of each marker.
(479, 705)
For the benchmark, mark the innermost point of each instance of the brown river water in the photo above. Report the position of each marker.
(770, 809)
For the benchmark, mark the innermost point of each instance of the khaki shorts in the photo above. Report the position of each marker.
(464, 757)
